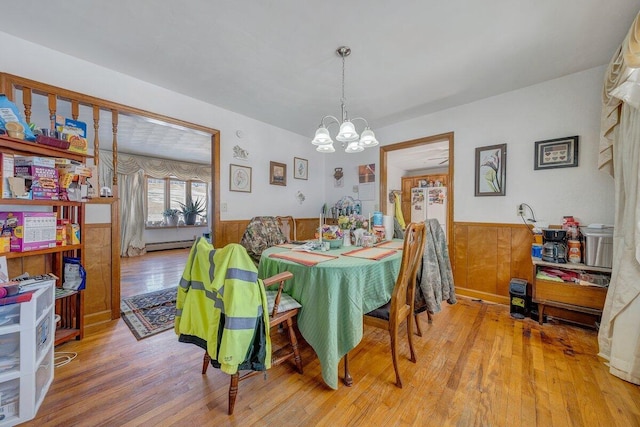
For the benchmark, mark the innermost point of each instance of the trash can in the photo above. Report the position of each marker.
(518, 298)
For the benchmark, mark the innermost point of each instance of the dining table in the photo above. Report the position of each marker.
(335, 288)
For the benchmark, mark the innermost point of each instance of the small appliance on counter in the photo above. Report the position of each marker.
(598, 246)
(554, 247)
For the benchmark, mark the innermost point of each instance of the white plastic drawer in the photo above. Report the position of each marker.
(44, 376)
(43, 334)
(9, 399)
(44, 300)
(9, 315)
(9, 352)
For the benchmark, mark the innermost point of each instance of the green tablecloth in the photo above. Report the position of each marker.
(334, 296)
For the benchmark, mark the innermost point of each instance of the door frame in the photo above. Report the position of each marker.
(384, 150)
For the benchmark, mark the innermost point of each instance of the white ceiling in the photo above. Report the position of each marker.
(276, 61)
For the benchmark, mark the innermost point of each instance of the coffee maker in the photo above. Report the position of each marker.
(554, 248)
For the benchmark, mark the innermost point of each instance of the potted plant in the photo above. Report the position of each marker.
(191, 209)
(171, 216)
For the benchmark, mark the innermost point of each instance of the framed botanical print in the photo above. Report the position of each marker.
(239, 178)
(277, 173)
(300, 168)
(490, 173)
(556, 153)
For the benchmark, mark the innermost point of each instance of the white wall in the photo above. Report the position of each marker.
(264, 142)
(558, 108)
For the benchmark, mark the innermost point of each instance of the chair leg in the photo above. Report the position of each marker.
(233, 391)
(418, 330)
(294, 345)
(348, 379)
(205, 362)
(393, 331)
(410, 335)
(430, 317)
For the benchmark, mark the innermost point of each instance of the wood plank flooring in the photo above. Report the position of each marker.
(476, 366)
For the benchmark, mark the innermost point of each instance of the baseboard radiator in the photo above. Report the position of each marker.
(161, 246)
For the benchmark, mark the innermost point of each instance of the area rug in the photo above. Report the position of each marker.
(151, 313)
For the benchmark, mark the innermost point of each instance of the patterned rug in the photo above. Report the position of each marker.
(151, 313)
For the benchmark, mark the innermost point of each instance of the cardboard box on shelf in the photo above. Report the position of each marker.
(73, 234)
(29, 231)
(8, 165)
(46, 162)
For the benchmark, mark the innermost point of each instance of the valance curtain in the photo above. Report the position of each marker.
(158, 168)
(619, 334)
(131, 172)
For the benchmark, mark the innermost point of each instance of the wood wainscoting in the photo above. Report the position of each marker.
(232, 231)
(102, 263)
(486, 256)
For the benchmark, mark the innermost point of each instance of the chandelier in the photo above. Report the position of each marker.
(347, 135)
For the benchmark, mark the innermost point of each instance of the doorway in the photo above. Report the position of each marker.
(414, 146)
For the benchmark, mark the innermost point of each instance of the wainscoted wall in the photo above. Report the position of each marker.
(486, 256)
(99, 304)
(232, 231)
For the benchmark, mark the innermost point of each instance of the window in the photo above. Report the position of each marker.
(168, 193)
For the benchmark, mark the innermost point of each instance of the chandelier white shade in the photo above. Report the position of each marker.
(351, 141)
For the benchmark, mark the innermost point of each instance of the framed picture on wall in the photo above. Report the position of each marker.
(300, 168)
(491, 167)
(240, 178)
(277, 173)
(556, 153)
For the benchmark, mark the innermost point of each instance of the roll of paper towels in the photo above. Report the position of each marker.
(387, 221)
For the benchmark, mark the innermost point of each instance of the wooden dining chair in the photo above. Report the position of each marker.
(282, 309)
(401, 306)
(288, 226)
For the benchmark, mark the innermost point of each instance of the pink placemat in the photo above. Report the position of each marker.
(305, 258)
(371, 253)
(287, 245)
(390, 244)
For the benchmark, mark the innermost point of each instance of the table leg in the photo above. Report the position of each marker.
(348, 381)
(541, 313)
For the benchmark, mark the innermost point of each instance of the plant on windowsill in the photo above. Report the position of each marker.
(171, 217)
(191, 210)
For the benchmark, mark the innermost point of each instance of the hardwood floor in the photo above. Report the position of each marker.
(476, 366)
(152, 271)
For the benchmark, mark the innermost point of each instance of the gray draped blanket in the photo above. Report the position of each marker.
(434, 278)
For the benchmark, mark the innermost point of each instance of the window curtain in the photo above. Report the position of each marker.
(131, 172)
(619, 334)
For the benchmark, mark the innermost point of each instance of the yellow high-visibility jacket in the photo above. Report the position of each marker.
(222, 307)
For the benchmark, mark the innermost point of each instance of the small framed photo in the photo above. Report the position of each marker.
(240, 178)
(300, 168)
(491, 167)
(556, 153)
(277, 173)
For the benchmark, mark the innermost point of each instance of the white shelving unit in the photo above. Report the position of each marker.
(27, 333)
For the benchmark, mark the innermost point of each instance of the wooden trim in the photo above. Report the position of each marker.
(484, 296)
(115, 259)
(215, 182)
(448, 136)
(10, 80)
(492, 224)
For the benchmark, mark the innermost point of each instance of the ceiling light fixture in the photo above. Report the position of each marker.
(347, 135)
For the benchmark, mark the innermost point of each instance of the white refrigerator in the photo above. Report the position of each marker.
(429, 202)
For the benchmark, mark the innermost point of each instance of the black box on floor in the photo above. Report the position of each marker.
(518, 301)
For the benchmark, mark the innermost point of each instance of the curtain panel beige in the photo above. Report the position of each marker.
(619, 334)
(621, 84)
